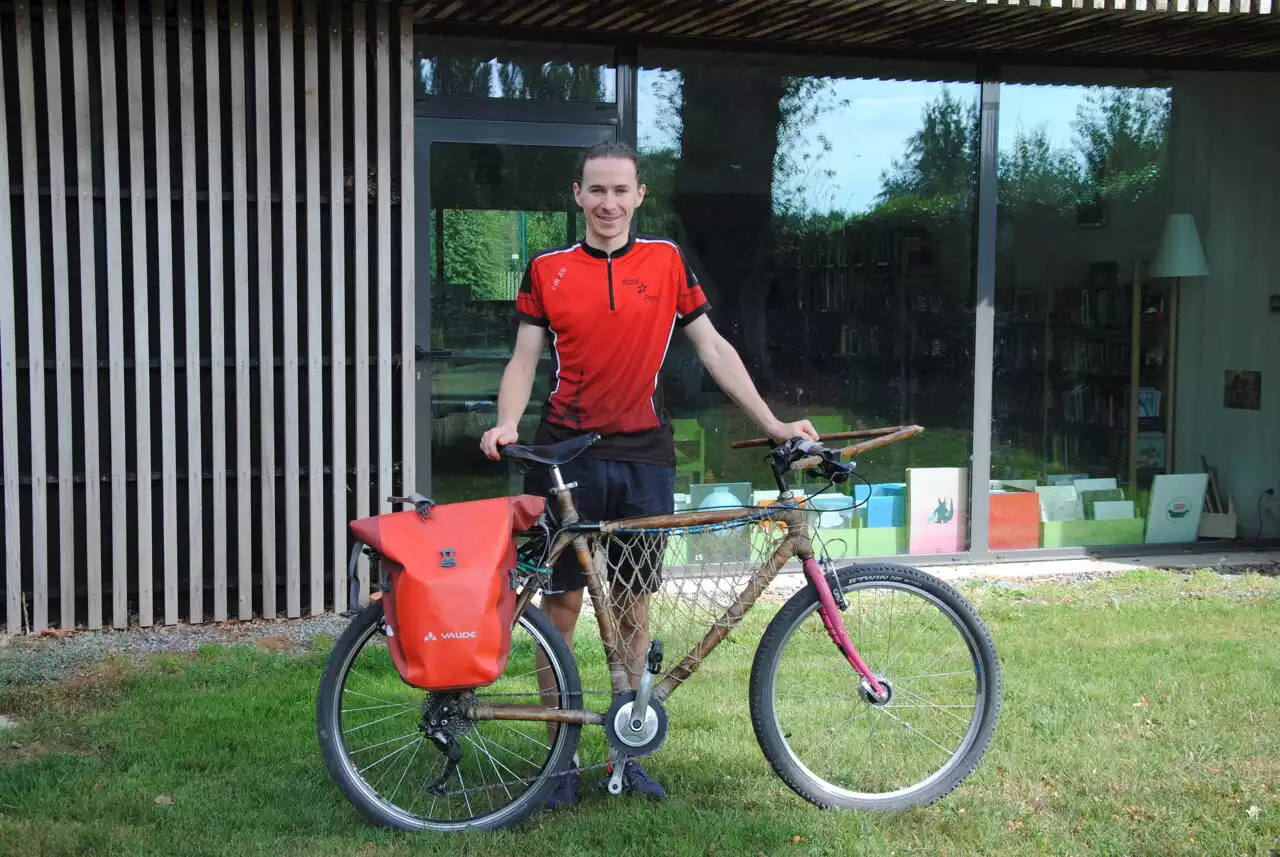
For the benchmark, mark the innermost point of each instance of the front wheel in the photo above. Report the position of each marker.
(833, 741)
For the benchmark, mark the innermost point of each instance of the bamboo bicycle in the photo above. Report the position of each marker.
(899, 721)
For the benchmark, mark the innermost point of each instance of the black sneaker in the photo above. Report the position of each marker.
(565, 793)
(636, 781)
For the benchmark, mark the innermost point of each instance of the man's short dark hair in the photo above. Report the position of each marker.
(609, 149)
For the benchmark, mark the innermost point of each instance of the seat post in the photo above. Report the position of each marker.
(557, 481)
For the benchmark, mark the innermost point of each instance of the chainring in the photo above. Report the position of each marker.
(618, 711)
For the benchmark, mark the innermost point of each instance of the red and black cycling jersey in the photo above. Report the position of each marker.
(611, 317)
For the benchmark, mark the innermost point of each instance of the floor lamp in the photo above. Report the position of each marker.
(1179, 255)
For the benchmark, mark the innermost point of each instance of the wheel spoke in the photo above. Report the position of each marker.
(371, 723)
(913, 729)
(384, 758)
(928, 704)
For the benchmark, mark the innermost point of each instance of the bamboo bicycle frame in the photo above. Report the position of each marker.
(797, 544)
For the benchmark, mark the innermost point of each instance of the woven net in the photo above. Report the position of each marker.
(673, 585)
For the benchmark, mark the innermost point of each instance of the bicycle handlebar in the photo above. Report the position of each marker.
(844, 435)
(877, 438)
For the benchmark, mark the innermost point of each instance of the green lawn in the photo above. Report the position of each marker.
(1140, 717)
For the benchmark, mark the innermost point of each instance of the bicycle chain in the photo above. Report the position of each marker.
(466, 791)
(527, 695)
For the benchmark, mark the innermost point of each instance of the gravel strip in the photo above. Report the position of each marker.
(34, 659)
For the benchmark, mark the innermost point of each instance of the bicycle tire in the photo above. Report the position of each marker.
(380, 812)
(764, 673)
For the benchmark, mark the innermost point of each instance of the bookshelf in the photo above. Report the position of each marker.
(1082, 370)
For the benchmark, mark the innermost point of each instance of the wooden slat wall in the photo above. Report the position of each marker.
(35, 320)
(267, 334)
(217, 309)
(62, 312)
(289, 286)
(337, 303)
(164, 277)
(9, 387)
(360, 214)
(115, 317)
(138, 282)
(240, 260)
(224, 241)
(89, 417)
(191, 295)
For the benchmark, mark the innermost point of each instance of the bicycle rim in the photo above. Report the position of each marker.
(391, 767)
(908, 750)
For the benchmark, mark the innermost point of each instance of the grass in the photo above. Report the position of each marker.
(1140, 718)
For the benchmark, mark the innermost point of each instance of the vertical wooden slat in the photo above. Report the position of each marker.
(141, 324)
(338, 304)
(164, 280)
(360, 210)
(62, 318)
(408, 366)
(191, 277)
(240, 254)
(289, 287)
(115, 318)
(266, 309)
(315, 313)
(88, 314)
(217, 333)
(9, 389)
(35, 320)
(384, 172)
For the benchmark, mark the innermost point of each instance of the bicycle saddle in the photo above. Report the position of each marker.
(553, 454)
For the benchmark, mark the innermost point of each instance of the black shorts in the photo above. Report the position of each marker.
(607, 491)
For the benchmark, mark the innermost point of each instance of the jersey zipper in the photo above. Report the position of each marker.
(609, 263)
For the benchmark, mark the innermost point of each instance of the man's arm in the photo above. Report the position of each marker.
(516, 387)
(725, 366)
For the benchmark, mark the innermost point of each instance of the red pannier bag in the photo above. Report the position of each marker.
(449, 603)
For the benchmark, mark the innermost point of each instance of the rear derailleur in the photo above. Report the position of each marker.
(444, 723)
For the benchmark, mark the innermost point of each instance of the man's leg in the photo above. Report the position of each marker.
(633, 627)
(563, 612)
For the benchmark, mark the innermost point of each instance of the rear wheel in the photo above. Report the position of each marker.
(368, 721)
(831, 739)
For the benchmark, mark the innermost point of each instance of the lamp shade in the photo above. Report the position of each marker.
(1179, 253)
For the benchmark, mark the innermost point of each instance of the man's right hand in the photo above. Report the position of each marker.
(496, 437)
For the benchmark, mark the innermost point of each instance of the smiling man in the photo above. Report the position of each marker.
(610, 304)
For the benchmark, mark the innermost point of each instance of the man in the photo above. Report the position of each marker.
(611, 303)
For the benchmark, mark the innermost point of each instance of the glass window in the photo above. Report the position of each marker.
(477, 68)
(491, 208)
(1112, 346)
(830, 217)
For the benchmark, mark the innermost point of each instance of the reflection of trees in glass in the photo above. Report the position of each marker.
(799, 171)
(941, 158)
(529, 79)
(479, 247)
(551, 81)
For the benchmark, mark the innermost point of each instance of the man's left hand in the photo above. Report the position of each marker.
(801, 428)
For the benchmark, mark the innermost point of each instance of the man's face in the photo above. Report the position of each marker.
(609, 195)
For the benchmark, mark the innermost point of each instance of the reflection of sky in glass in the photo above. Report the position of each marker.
(872, 130)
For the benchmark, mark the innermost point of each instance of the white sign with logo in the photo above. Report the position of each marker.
(1177, 501)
